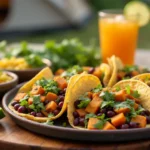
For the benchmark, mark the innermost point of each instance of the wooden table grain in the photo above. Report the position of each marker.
(13, 137)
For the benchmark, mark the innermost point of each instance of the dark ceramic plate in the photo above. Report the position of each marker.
(69, 133)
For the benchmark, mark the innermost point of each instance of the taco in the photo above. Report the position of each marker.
(42, 98)
(102, 72)
(125, 106)
(145, 77)
(121, 71)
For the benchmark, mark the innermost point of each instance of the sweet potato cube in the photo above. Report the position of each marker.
(90, 95)
(42, 98)
(94, 105)
(19, 96)
(120, 75)
(30, 100)
(51, 96)
(134, 73)
(37, 90)
(122, 110)
(95, 94)
(81, 112)
(59, 72)
(133, 98)
(91, 123)
(97, 72)
(62, 83)
(51, 106)
(118, 120)
(120, 95)
(140, 119)
(136, 106)
(108, 126)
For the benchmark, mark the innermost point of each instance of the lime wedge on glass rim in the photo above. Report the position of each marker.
(2, 115)
(137, 11)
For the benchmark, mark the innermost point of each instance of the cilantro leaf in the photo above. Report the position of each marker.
(50, 115)
(135, 94)
(24, 103)
(118, 88)
(97, 89)
(50, 122)
(125, 104)
(36, 99)
(107, 104)
(128, 89)
(83, 103)
(64, 124)
(100, 124)
(48, 85)
(128, 69)
(87, 116)
(107, 96)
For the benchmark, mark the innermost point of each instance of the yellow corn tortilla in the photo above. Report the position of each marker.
(145, 77)
(115, 64)
(83, 84)
(105, 68)
(141, 87)
(46, 73)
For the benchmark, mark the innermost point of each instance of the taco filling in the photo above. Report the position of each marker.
(102, 72)
(128, 72)
(110, 110)
(46, 98)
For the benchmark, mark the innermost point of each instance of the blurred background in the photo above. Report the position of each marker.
(40, 20)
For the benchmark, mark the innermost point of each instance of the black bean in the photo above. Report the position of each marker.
(76, 121)
(62, 92)
(81, 121)
(91, 70)
(56, 112)
(109, 108)
(39, 114)
(124, 126)
(33, 113)
(75, 114)
(14, 103)
(60, 105)
(142, 113)
(16, 106)
(110, 113)
(148, 119)
(46, 102)
(76, 103)
(133, 125)
(61, 97)
(21, 109)
(147, 112)
(103, 110)
(100, 114)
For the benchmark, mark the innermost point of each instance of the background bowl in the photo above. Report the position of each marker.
(6, 86)
(27, 74)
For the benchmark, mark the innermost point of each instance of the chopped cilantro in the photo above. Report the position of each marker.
(107, 96)
(48, 85)
(36, 99)
(97, 89)
(50, 122)
(84, 103)
(50, 115)
(107, 104)
(135, 94)
(100, 124)
(125, 104)
(128, 89)
(146, 79)
(72, 71)
(24, 102)
(32, 106)
(129, 69)
(118, 88)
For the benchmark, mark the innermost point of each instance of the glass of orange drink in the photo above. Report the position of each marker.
(118, 36)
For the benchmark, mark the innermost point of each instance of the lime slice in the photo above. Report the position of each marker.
(137, 11)
(2, 115)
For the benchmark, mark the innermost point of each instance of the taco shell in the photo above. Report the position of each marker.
(141, 87)
(83, 84)
(145, 77)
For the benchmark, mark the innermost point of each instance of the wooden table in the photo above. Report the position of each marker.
(13, 137)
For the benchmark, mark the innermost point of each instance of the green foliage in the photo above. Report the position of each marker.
(97, 89)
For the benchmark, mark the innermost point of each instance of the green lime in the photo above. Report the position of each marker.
(137, 11)
(2, 115)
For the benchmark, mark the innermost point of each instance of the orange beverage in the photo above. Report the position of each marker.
(118, 36)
